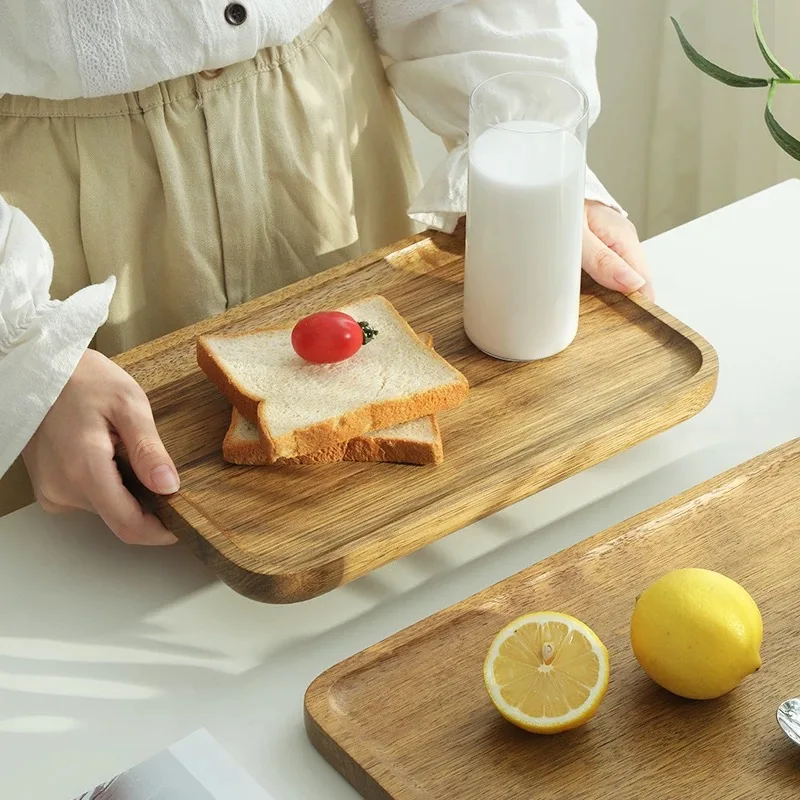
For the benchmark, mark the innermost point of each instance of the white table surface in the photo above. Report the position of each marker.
(109, 653)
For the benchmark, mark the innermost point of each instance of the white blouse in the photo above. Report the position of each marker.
(436, 52)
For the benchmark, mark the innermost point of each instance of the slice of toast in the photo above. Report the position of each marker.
(302, 408)
(417, 442)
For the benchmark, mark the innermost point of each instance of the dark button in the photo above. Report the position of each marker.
(235, 14)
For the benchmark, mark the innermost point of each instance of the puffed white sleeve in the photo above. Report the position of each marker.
(41, 340)
(438, 51)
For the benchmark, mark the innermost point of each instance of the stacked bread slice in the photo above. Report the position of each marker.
(379, 405)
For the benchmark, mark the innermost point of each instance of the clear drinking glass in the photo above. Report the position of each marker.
(527, 175)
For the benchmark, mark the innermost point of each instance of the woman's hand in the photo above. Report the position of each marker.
(612, 253)
(71, 457)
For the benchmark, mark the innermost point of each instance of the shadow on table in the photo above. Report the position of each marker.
(65, 587)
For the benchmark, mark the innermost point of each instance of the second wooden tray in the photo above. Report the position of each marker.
(286, 534)
(410, 719)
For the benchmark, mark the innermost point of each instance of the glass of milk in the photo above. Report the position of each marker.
(527, 174)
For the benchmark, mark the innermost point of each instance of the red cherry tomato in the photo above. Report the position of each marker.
(327, 337)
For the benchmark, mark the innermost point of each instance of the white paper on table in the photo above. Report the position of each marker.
(195, 768)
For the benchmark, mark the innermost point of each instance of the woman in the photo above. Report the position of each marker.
(180, 158)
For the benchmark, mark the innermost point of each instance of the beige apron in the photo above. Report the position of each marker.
(205, 191)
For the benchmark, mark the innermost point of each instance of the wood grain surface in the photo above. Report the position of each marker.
(285, 534)
(409, 719)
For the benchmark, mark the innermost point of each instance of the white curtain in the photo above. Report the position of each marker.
(672, 143)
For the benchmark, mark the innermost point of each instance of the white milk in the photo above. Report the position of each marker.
(524, 230)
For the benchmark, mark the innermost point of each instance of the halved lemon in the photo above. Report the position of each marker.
(546, 672)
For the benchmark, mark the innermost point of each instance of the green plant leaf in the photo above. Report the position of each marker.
(773, 63)
(712, 69)
(785, 139)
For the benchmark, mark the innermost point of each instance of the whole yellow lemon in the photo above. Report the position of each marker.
(697, 633)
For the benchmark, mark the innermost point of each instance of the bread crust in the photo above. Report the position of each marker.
(245, 404)
(394, 449)
(340, 430)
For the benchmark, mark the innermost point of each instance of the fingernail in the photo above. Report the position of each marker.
(162, 540)
(628, 279)
(165, 480)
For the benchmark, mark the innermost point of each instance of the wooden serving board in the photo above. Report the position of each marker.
(284, 534)
(409, 719)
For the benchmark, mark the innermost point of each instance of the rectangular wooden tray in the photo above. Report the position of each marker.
(409, 719)
(286, 534)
